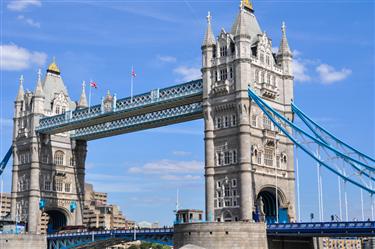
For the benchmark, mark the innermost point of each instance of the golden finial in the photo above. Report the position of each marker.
(53, 66)
(247, 4)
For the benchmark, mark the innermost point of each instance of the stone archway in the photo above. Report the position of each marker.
(266, 205)
(227, 216)
(56, 219)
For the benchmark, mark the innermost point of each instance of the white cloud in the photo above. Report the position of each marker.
(181, 177)
(20, 5)
(188, 73)
(296, 53)
(181, 153)
(167, 167)
(15, 58)
(300, 71)
(6, 122)
(29, 21)
(329, 74)
(167, 59)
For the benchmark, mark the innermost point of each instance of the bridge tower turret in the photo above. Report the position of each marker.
(244, 152)
(208, 55)
(48, 170)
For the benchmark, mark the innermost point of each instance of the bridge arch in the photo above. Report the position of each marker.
(56, 218)
(266, 204)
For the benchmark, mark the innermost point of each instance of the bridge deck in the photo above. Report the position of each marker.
(165, 235)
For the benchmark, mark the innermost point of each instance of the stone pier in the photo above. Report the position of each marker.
(22, 241)
(235, 235)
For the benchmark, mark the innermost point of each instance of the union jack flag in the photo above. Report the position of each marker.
(133, 73)
(93, 84)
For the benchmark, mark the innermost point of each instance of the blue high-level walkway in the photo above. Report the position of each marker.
(157, 108)
(165, 235)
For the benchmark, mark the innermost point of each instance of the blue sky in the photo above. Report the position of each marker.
(333, 43)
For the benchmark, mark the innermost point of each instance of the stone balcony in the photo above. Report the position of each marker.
(269, 134)
(221, 87)
(268, 91)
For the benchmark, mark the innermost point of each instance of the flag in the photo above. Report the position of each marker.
(133, 73)
(93, 84)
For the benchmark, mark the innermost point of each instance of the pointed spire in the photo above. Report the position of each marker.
(21, 92)
(83, 100)
(284, 49)
(209, 38)
(39, 89)
(241, 26)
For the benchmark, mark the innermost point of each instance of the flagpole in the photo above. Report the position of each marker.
(90, 96)
(131, 85)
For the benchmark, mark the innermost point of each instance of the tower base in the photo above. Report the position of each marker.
(215, 235)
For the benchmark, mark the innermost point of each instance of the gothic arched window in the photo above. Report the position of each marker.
(58, 158)
(262, 77)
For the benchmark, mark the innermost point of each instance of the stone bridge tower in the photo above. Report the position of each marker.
(48, 170)
(247, 158)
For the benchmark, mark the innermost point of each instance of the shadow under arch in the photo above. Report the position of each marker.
(266, 205)
(57, 218)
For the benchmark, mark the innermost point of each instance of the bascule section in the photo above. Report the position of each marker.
(249, 164)
(48, 170)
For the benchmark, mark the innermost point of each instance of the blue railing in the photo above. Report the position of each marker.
(157, 96)
(139, 122)
(153, 231)
(108, 238)
(358, 228)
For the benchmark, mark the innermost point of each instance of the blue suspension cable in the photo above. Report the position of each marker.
(301, 114)
(360, 171)
(263, 106)
(338, 153)
(4, 162)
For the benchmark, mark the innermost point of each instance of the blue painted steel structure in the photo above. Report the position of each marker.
(165, 236)
(323, 229)
(103, 239)
(5, 160)
(167, 101)
(140, 122)
(285, 126)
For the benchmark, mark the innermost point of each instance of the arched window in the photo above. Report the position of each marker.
(269, 78)
(256, 76)
(57, 109)
(58, 158)
(259, 158)
(262, 78)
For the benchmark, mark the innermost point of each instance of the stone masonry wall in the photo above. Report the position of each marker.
(22, 241)
(234, 235)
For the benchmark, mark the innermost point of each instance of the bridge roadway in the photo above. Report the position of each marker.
(165, 235)
(157, 108)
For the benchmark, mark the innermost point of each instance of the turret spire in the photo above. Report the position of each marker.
(209, 38)
(83, 100)
(284, 46)
(39, 88)
(241, 26)
(21, 92)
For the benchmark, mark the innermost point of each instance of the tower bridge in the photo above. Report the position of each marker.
(245, 97)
